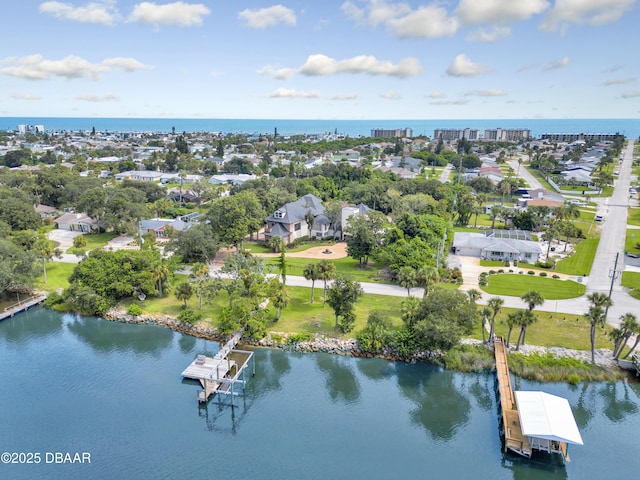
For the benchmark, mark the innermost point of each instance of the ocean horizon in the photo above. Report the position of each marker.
(630, 127)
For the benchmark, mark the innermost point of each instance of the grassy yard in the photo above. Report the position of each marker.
(58, 274)
(631, 240)
(633, 217)
(492, 263)
(516, 285)
(345, 265)
(580, 262)
(94, 241)
(540, 178)
(261, 248)
(552, 330)
(632, 280)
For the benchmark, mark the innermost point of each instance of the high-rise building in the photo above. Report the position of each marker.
(572, 137)
(507, 135)
(22, 129)
(397, 133)
(450, 134)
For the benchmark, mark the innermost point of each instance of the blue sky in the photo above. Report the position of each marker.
(356, 59)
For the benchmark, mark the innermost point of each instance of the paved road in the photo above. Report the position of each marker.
(533, 182)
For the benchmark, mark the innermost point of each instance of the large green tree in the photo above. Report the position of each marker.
(364, 235)
(342, 297)
(235, 217)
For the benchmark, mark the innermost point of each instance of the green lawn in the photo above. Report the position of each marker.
(57, 276)
(632, 280)
(633, 217)
(552, 330)
(94, 241)
(517, 284)
(492, 263)
(631, 240)
(540, 178)
(261, 248)
(580, 262)
(345, 265)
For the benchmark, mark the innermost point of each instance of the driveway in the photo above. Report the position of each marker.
(63, 237)
(533, 182)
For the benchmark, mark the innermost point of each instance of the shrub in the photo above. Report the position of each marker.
(134, 310)
(492, 272)
(501, 270)
(506, 263)
(520, 272)
(189, 316)
(53, 298)
(543, 274)
(276, 337)
(511, 270)
(555, 276)
(531, 272)
(299, 337)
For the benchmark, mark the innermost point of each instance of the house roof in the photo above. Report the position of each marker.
(546, 416)
(295, 211)
(76, 218)
(278, 230)
(160, 223)
(543, 202)
(481, 242)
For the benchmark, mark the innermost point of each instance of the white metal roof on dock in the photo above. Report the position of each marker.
(547, 416)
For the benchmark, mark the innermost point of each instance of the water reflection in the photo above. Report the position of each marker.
(549, 467)
(187, 343)
(481, 388)
(341, 383)
(23, 327)
(441, 408)
(220, 416)
(271, 366)
(376, 369)
(619, 401)
(584, 410)
(104, 336)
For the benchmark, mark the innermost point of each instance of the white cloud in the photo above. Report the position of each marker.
(524, 68)
(460, 101)
(435, 95)
(277, 73)
(501, 12)
(291, 93)
(619, 81)
(345, 96)
(177, 13)
(25, 96)
(613, 68)
(563, 62)
(110, 97)
(390, 96)
(462, 66)
(127, 64)
(493, 34)
(102, 13)
(376, 12)
(35, 67)
(267, 17)
(322, 65)
(631, 94)
(590, 12)
(425, 22)
(494, 92)
(430, 21)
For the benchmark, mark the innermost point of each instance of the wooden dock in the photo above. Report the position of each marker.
(220, 373)
(514, 440)
(11, 310)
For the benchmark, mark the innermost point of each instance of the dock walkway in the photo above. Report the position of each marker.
(11, 310)
(514, 439)
(220, 373)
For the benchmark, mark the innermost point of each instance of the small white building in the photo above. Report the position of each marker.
(513, 245)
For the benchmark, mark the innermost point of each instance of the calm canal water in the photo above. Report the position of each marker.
(73, 384)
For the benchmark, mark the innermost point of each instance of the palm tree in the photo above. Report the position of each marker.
(160, 273)
(327, 272)
(485, 312)
(596, 317)
(494, 303)
(426, 276)
(532, 298)
(280, 299)
(184, 291)
(407, 278)
(496, 211)
(199, 273)
(526, 318)
(629, 326)
(513, 319)
(312, 272)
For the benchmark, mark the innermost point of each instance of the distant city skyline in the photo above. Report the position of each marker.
(357, 59)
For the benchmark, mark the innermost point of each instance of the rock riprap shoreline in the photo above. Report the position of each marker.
(338, 346)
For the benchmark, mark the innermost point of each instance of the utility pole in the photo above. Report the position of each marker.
(613, 274)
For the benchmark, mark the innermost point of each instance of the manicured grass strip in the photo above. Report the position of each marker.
(261, 248)
(580, 262)
(516, 285)
(632, 240)
(632, 280)
(58, 274)
(491, 263)
(345, 265)
(552, 330)
(633, 217)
